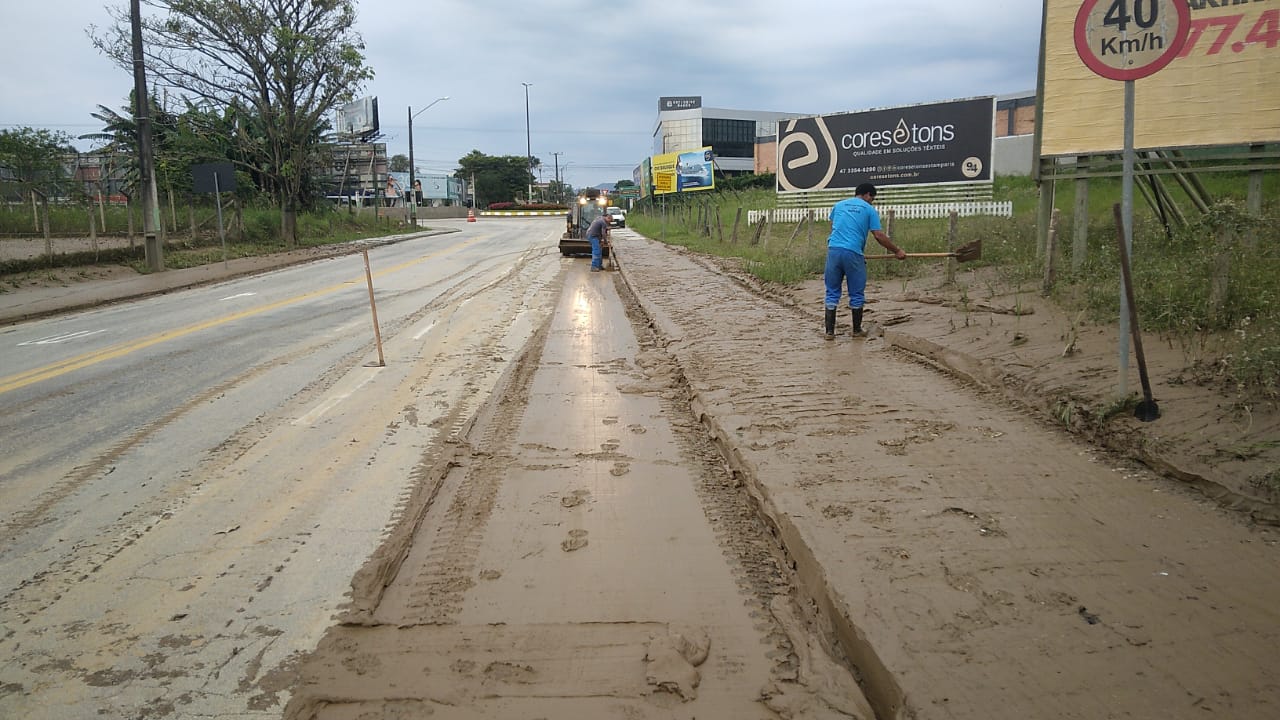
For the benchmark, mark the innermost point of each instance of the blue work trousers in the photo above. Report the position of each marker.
(595, 251)
(845, 266)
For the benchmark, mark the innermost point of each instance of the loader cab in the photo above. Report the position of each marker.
(589, 205)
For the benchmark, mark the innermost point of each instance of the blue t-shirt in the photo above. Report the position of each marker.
(851, 221)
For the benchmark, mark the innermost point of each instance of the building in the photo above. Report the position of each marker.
(684, 124)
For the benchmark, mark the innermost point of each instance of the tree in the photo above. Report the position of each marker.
(398, 163)
(35, 159)
(497, 179)
(287, 62)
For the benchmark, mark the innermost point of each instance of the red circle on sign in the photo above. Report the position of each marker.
(1096, 64)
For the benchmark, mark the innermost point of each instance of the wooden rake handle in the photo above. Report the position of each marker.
(912, 255)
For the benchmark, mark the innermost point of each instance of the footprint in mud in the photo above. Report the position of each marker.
(610, 421)
(575, 498)
(490, 574)
(576, 541)
(510, 672)
(638, 429)
(362, 664)
(620, 469)
(610, 445)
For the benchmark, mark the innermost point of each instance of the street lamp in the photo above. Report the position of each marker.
(528, 147)
(413, 195)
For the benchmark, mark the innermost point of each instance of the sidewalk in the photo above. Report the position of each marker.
(30, 303)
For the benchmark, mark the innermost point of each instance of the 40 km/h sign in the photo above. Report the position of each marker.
(1130, 39)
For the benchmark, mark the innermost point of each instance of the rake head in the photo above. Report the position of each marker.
(972, 251)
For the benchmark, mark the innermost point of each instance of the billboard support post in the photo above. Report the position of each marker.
(1126, 209)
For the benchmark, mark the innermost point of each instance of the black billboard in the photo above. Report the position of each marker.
(947, 142)
(679, 102)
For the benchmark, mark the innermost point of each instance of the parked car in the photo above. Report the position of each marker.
(617, 218)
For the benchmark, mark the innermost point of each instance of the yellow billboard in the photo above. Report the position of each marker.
(683, 171)
(1220, 89)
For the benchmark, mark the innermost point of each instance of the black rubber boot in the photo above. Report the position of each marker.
(857, 323)
(831, 323)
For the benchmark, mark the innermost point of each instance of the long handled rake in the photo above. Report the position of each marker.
(964, 253)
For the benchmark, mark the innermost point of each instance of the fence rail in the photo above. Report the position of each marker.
(915, 211)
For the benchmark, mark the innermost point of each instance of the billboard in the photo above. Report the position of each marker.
(358, 117)
(642, 176)
(1220, 89)
(683, 171)
(946, 142)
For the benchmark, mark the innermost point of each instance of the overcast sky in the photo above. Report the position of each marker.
(597, 69)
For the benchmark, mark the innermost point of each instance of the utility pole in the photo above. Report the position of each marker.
(146, 161)
(559, 186)
(413, 193)
(528, 147)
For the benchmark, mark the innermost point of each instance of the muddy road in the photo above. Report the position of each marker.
(652, 493)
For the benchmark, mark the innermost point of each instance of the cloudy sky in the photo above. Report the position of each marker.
(597, 69)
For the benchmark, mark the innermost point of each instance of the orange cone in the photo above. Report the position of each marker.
(471, 215)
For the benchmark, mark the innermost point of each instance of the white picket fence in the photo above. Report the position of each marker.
(913, 211)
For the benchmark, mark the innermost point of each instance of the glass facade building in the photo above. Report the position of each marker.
(731, 134)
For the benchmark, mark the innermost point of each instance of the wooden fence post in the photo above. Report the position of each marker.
(737, 219)
(795, 233)
(93, 233)
(760, 229)
(48, 238)
(1051, 252)
(1221, 272)
(1080, 222)
(128, 212)
(953, 221)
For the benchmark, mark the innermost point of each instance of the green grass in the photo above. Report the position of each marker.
(1234, 343)
(261, 237)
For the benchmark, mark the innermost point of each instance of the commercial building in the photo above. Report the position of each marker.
(684, 124)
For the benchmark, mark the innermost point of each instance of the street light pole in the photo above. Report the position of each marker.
(528, 146)
(413, 194)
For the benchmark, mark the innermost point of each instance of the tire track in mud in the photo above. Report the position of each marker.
(759, 566)
(453, 443)
(436, 592)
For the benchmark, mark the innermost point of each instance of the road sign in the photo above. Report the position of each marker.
(1130, 39)
(664, 182)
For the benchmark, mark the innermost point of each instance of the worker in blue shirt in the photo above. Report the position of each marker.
(851, 221)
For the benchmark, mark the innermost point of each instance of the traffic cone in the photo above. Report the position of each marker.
(471, 215)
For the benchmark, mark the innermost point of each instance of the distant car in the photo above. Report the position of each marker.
(617, 218)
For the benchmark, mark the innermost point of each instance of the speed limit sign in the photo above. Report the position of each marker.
(1130, 39)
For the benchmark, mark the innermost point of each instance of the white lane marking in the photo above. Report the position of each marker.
(54, 340)
(424, 331)
(243, 294)
(331, 402)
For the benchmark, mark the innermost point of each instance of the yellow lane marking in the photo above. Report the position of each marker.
(62, 367)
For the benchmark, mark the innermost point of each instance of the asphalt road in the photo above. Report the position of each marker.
(191, 480)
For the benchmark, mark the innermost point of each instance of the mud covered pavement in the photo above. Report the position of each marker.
(682, 502)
